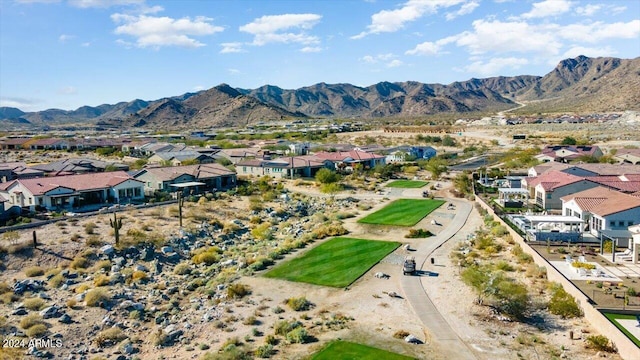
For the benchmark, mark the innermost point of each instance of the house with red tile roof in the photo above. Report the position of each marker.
(345, 160)
(13, 143)
(603, 209)
(568, 153)
(550, 187)
(631, 156)
(72, 191)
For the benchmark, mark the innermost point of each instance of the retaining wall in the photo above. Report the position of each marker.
(626, 348)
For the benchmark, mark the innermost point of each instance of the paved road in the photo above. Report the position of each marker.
(441, 333)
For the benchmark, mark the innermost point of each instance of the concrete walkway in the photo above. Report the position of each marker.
(450, 343)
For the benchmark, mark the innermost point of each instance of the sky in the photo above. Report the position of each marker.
(69, 53)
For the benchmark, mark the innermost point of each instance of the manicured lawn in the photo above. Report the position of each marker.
(337, 262)
(614, 317)
(407, 184)
(403, 212)
(342, 350)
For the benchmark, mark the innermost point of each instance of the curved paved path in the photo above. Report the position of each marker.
(450, 343)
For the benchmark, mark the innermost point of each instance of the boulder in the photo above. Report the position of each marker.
(107, 250)
(50, 312)
(65, 319)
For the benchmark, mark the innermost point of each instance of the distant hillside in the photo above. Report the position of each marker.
(582, 85)
(10, 112)
(219, 106)
(588, 84)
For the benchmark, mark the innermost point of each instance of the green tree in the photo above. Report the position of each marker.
(569, 141)
(463, 183)
(327, 176)
(449, 141)
(436, 167)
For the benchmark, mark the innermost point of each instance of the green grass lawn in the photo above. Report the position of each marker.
(337, 262)
(402, 212)
(407, 184)
(343, 350)
(614, 317)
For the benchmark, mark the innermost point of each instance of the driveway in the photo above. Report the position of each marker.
(442, 334)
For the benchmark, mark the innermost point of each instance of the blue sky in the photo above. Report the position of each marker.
(68, 53)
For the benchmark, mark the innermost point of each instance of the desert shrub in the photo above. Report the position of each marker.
(136, 315)
(331, 188)
(299, 304)
(271, 340)
(504, 266)
(159, 338)
(251, 320)
(400, 334)
(632, 292)
(103, 265)
(326, 230)
(37, 330)
(587, 266)
(101, 280)
(79, 263)
(139, 276)
(89, 228)
(297, 336)
(261, 263)
(8, 298)
(262, 231)
(562, 303)
(110, 337)
(264, 351)
(418, 233)
(278, 310)
(82, 288)
(4, 287)
(182, 269)
(31, 320)
(95, 297)
(71, 303)
(238, 291)
(33, 303)
(93, 240)
(600, 343)
(283, 327)
(76, 237)
(56, 281)
(208, 255)
(499, 230)
(34, 271)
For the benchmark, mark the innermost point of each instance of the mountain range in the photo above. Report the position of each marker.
(581, 84)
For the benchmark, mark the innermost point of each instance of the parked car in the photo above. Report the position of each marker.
(409, 265)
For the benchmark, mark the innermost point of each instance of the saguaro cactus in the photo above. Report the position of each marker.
(116, 224)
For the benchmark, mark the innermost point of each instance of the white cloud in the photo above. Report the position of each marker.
(588, 9)
(68, 90)
(86, 44)
(599, 31)
(412, 10)
(152, 31)
(512, 36)
(576, 50)
(311, 49)
(495, 66)
(198, 88)
(24, 104)
(64, 38)
(232, 47)
(618, 9)
(124, 43)
(36, 1)
(548, 8)
(389, 60)
(103, 3)
(431, 48)
(234, 71)
(395, 63)
(464, 10)
(285, 28)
